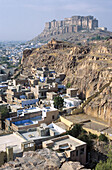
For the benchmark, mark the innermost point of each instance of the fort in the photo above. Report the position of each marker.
(70, 25)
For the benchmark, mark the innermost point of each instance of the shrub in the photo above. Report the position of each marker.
(68, 85)
(58, 102)
(4, 113)
(85, 138)
(106, 165)
(92, 136)
(76, 130)
(102, 137)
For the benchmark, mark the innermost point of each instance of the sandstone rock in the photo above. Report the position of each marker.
(85, 67)
(72, 166)
(44, 159)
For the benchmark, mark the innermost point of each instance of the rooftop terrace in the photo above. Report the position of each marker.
(11, 140)
(65, 142)
(27, 122)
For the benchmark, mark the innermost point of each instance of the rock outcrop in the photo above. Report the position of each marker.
(26, 53)
(44, 159)
(72, 166)
(77, 37)
(87, 67)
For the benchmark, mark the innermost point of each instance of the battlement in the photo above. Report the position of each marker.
(72, 24)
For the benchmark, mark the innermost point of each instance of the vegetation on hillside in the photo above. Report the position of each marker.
(102, 137)
(98, 37)
(68, 85)
(106, 165)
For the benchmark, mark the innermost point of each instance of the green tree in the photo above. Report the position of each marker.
(86, 138)
(102, 137)
(58, 102)
(107, 165)
(68, 85)
(92, 136)
(76, 130)
(4, 113)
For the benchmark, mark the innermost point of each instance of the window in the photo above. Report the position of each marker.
(26, 145)
(31, 144)
(82, 151)
(53, 117)
(76, 152)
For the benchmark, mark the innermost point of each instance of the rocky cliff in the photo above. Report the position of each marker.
(44, 159)
(87, 67)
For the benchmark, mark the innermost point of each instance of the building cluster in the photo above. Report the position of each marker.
(11, 52)
(70, 25)
(5, 73)
(32, 115)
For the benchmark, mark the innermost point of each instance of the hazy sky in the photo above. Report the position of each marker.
(25, 19)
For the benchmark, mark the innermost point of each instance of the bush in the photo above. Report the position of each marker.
(102, 137)
(58, 102)
(75, 131)
(107, 165)
(4, 113)
(68, 85)
(85, 138)
(92, 136)
(78, 132)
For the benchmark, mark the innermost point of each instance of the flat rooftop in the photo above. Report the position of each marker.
(11, 140)
(31, 110)
(77, 118)
(80, 118)
(16, 106)
(108, 131)
(37, 109)
(49, 109)
(62, 125)
(66, 141)
(32, 135)
(94, 126)
(72, 98)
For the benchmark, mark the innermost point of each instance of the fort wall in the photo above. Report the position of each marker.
(69, 25)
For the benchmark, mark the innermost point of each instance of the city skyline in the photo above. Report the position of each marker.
(25, 19)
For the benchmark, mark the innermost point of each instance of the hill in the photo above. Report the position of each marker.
(74, 29)
(88, 67)
(79, 37)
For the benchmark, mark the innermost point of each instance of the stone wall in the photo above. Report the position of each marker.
(2, 157)
(68, 25)
(6, 156)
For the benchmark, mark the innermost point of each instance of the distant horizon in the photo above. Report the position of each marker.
(23, 20)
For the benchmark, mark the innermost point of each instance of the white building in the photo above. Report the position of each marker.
(72, 102)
